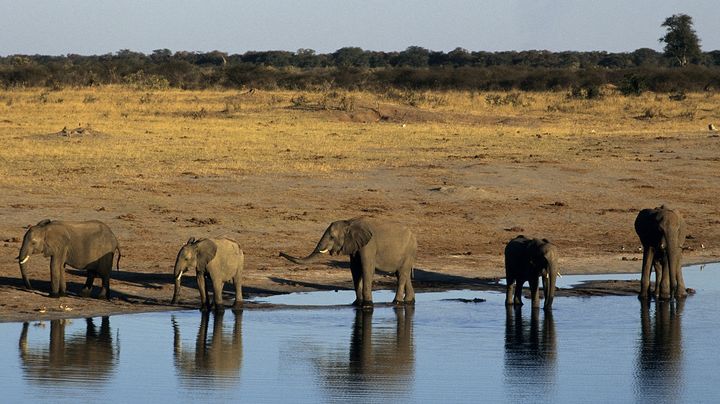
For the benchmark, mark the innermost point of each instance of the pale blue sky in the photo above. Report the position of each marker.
(86, 27)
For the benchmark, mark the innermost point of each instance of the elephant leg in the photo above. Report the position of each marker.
(63, 285)
(238, 291)
(681, 289)
(104, 269)
(368, 271)
(105, 290)
(509, 290)
(218, 295)
(665, 281)
(57, 265)
(356, 271)
(518, 291)
(535, 296)
(85, 292)
(204, 302)
(657, 265)
(399, 290)
(647, 262)
(409, 290)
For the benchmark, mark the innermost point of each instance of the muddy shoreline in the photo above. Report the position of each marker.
(72, 306)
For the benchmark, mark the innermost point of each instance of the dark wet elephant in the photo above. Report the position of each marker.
(371, 244)
(217, 357)
(527, 260)
(219, 258)
(662, 234)
(87, 245)
(91, 355)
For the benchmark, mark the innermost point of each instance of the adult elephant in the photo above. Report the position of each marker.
(371, 243)
(526, 260)
(662, 234)
(219, 258)
(89, 245)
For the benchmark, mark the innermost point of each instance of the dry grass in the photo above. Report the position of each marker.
(165, 133)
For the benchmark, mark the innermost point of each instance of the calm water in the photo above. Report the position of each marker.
(599, 349)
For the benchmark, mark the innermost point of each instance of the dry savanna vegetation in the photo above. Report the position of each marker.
(466, 170)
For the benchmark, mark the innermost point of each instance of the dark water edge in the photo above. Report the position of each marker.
(587, 349)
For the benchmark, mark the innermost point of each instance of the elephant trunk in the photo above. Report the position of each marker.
(306, 260)
(176, 292)
(549, 285)
(321, 248)
(22, 260)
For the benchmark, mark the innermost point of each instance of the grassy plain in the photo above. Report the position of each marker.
(467, 171)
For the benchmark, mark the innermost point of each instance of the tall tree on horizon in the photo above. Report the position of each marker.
(681, 41)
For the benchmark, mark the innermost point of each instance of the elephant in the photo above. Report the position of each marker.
(89, 245)
(91, 354)
(219, 258)
(527, 259)
(218, 357)
(662, 234)
(371, 244)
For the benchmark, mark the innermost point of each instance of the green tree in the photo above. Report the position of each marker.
(681, 41)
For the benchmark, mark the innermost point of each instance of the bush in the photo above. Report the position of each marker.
(632, 85)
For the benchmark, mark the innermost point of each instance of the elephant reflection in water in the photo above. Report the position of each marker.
(75, 358)
(660, 351)
(215, 359)
(380, 361)
(530, 349)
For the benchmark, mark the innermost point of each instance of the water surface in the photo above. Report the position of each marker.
(597, 349)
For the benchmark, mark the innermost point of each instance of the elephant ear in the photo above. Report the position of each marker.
(43, 222)
(206, 250)
(357, 235)
(55, 242)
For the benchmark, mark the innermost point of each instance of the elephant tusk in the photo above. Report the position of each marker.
(325, 251)
(179, 275)
(25, 260)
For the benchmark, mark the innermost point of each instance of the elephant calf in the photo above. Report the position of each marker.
(219, 258)
(528, 259)
(662, 234)
(87, 245)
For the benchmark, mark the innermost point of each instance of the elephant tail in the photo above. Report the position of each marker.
(117, 266)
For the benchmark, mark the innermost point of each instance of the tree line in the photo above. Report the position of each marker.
(357, 69)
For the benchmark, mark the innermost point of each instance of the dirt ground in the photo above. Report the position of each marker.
(463, 204)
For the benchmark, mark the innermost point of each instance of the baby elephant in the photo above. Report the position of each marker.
(526, 260)
(219, 258)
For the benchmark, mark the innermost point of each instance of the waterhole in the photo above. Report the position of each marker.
(457, 346)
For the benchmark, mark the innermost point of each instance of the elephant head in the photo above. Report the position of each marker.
(341, 237)
(544, 257)
(195, 254)
(40, 238)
